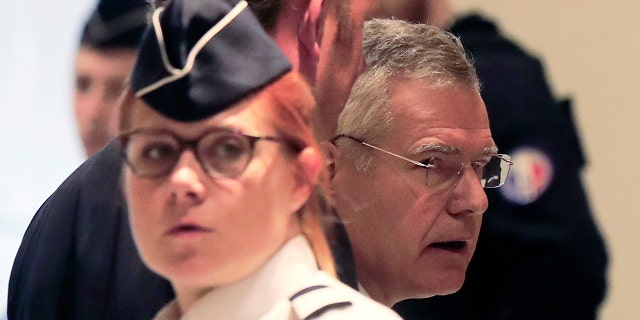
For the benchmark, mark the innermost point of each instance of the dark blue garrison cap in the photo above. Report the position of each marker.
(199, 57)
(116, 23)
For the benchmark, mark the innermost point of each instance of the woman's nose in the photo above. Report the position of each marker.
(187, 180)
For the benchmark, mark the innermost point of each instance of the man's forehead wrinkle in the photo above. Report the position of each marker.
(401, 110)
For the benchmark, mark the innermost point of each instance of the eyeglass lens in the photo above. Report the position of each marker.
(495, 173)
(492, 173)
(220, 153)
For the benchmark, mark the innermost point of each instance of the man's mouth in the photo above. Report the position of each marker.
(449, 245)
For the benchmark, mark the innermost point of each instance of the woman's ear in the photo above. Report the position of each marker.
(310, 161)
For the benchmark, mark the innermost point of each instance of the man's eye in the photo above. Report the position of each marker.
(83, 84)
(113, 90)
(433, 163)
(480, 163)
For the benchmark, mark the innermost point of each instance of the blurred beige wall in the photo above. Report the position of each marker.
(592, 52)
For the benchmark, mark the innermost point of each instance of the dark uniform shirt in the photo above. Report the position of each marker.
(540, 254)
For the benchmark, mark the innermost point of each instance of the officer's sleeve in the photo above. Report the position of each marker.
(78, 260)
(42, 272)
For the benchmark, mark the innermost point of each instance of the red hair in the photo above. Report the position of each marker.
(290, 107)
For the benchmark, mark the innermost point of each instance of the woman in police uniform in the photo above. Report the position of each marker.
(223, 177)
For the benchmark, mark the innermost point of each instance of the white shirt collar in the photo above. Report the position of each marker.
(277, 279)
(363, 290)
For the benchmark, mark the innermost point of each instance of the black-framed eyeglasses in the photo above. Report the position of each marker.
(492, 170)
(221, 152)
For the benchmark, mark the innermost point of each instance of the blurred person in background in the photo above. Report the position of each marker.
(540, 254)
(107, 51)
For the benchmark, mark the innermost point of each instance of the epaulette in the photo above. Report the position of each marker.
(311, 302)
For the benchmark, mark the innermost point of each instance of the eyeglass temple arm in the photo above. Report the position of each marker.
(419, 164)
(503, 158)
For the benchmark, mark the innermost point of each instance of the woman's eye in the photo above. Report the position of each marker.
(229, 150)
(158, 151)
(225, 149)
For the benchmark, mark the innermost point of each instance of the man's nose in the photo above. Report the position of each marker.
(469, 196)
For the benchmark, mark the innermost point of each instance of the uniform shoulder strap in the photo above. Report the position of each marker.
(313, 301)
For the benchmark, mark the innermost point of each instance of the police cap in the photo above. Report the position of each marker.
(115, 24)
(199, 57)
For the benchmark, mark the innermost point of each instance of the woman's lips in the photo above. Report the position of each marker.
(187, 228)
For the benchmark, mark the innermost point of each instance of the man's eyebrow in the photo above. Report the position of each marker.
(437, 147)
(490, 150)
(447, 149)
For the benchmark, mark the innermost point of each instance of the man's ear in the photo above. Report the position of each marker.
(331, 153)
